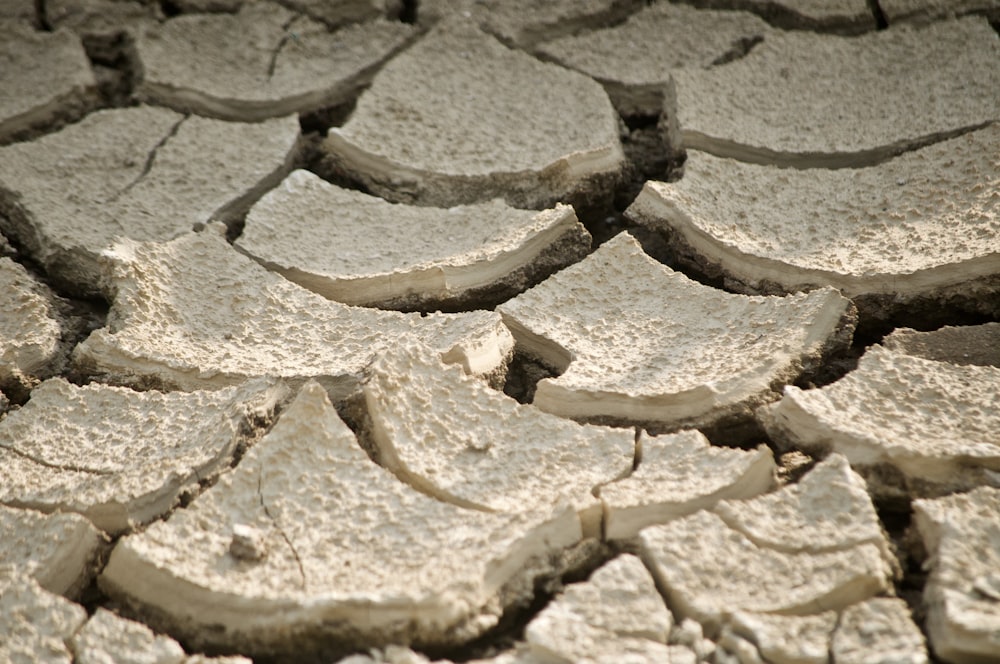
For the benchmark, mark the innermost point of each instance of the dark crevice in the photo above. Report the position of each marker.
(42, 15)
(288, 35)
(150, 159)
(880, 21)
(56, 466)
(115, 64)
(169, 8)
(523, 375)
(408, 12)
(277, 526)
(739, 49)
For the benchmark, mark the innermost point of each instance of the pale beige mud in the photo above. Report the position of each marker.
(636, 342)
(45, 78)
(361, 250)
(194, 313)
(840, 16)
(343, 12)
(679, 474)
(30, 329)
(633, 60)
(962, 595)
(453, 437)
(922, 11)
(815, 100)
(123, 458)
(971, 344)
(922, 226)
(309, 548)
(460, 118)
(37, 625)
(145, 173)
(107, 637)
(261, 62)
(911, 426)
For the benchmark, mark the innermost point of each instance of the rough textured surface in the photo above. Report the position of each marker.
(921, 225)
(453, 437)
(144, 173)
(110, 638)
(633, 60)
(811, 100)
(787, 639)
(879, 630)
(341, 12)
(640, 343)
(123, 458)
(355, 557)
(358, 249)
(36, 624)
(98, 22)
(841, 16)
(30, 329)
(194, 313)
(962, 536)
(896, 11)
(45, 78)
(57, 550)
(912, 427)
(973, 344)
(262, 62)
(460, 118)
(679, 474)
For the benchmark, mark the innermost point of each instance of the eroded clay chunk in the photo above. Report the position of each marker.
(961, 533)
(811, 100)
(972, 344)
(57, 550)
(119, 457)
(453, 437)
(352, 557)
(144, 173)
(879, 630)
(640, 343)
(29, 329)
(336, 14)
(107, 637)
(460, 118)
(633, 60)
(841, 16)
(787, 639)
(358, 249)
(922, 225)
(194, 313)
(262, 62)
(912, 427)
(679, 474)
(45, 78)
(36, 625)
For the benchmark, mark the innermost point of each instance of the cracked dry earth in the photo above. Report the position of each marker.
(512, 332)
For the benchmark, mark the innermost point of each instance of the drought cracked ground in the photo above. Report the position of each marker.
(514, 332)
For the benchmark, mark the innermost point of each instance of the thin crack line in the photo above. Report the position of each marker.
(273, 64)
(56, 466)
(150, 158)
(288, 541)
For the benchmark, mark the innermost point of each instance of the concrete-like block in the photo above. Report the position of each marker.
(879, 631)
(145, 173)
(460, 118)
(810, 100)
(920, 226)
(358, 249)
(36, 625)
(354, 557)
(639, 343)
(123, 458)
(785, 639)
(679, 474)
(110, 638)
(262, 62)
(961, 534)
(971, 344)
(194, 314)
(912, 427)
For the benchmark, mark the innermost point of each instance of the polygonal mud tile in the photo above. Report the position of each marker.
(809, 100)
(58, 550)
(359, 249)
(922, 225)
(972, 344)
(460, 118)
(37, 625)
(617, 611)
(336, 14)
(309, 547)
(840, 16)
(679, 474)
(880, 630)
(123, 458)
(145, 173)
(110, 638)
(454, 438)
(786, 639)
(780, 553)
(524, 23)
(633, 60)
(640, 343)
(921, 11)
(99, 21)
(46, 79)
(912, 427)
(194, 313)
(30, 330)
(262, 62)
(961, 534)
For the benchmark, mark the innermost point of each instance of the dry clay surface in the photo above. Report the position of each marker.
(697, 442)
